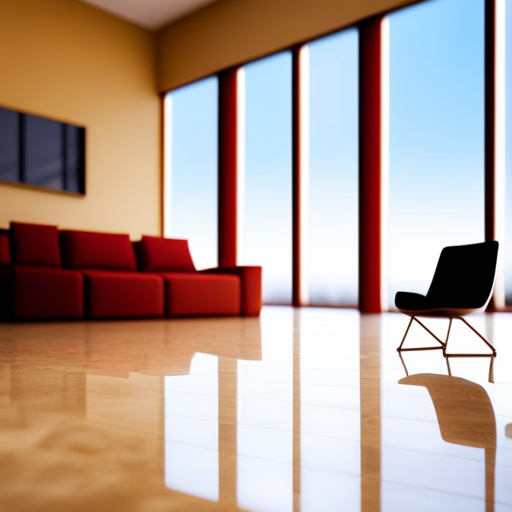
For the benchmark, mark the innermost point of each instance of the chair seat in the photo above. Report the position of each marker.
(409, 301)
(419, 305)
(123, 294)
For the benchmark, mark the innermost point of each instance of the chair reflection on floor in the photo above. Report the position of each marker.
(463, 283)
(465, 416)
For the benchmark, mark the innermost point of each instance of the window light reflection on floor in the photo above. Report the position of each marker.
(192, 429)
(265, 420)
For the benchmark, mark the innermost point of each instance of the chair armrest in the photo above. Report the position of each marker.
(251, 286)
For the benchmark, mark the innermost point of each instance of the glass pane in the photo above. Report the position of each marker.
(191, 169)
(333, 170)
(508, 152)
(268, 174)
(436, 136)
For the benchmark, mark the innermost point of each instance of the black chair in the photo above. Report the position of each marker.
(462, 284)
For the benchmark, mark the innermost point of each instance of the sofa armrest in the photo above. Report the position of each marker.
(251, 286)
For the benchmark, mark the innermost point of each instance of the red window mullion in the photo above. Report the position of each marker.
(370, 165)
(296, 178)
(227, 191)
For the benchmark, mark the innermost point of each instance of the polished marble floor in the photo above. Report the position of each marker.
(305, 410)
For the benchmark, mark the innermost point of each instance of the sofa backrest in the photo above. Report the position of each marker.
(35, 245)
(93, 250)
(159, 254)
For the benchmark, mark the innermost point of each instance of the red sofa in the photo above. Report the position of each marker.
(47, 274)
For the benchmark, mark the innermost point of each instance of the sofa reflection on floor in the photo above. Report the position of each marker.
(50, 274)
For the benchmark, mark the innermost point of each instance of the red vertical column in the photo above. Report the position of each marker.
(490, 118)
(227, 221)
(490, 125)
(296, 178)
(163, 149)
(370, 164)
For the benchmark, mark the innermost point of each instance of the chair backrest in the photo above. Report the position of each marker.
(464, 276)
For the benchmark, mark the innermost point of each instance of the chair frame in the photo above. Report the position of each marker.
(444, 345)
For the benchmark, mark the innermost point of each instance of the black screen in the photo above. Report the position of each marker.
(41, 152)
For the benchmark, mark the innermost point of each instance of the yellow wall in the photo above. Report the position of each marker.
(231, 32)
(69, 61)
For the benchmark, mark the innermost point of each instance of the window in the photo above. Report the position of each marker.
(332, 216)
(191, 134)
(267, 227)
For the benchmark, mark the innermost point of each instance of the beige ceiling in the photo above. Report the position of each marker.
(150, 14)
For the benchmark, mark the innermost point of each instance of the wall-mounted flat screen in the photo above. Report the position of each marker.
(42, 152)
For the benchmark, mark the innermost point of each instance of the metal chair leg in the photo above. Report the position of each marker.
(400, 349)
(493, 354)
(479, 335)
(405, 335)
(444, 346)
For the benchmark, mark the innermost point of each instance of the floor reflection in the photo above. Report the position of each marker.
(443, 439)
(294, 425)
(302, 410)
(466, 417)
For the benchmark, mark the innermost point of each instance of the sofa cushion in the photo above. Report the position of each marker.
(123, 294)
(190, 294)
(159, 254)
(92, 250)
(35, 245)
(5, 252)
(47, 293)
